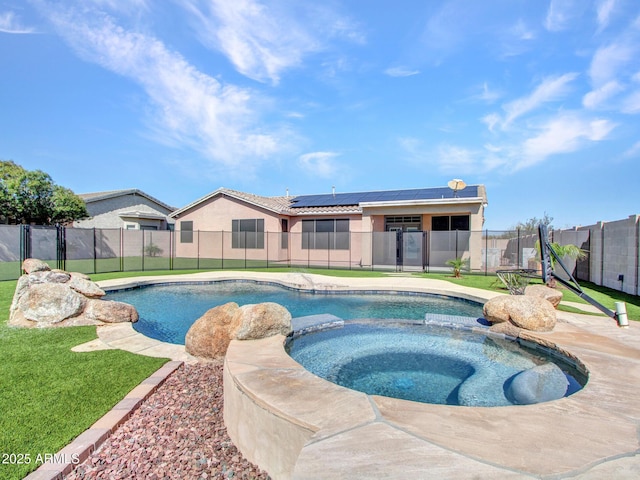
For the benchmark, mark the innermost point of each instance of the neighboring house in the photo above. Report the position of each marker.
(129, 209)
(363, 228)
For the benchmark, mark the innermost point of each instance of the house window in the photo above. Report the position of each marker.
(284, 244)
(186, 232)
(247, 233)
(447, 223)
(325, 234)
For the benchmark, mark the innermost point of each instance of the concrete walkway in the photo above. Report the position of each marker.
(340, 433)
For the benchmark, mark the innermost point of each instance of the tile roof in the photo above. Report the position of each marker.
(342, 203)
(97, 196)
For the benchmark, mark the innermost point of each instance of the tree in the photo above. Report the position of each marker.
(531, 225)
(31, 196)
(457, 264)
(67, 206)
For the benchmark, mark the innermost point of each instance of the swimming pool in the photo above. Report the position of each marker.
(167, 311)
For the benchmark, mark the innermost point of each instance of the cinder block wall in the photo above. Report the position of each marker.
(615, 252)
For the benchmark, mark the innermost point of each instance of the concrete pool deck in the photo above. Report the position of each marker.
(296, 425)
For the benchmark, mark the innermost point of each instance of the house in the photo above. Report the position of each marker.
(130, 209)
(413, 228)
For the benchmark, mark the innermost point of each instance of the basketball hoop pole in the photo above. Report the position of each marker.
(546, 252)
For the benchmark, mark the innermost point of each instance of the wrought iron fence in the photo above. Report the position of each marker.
(118, 250)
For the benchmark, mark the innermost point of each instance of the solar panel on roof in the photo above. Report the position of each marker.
(347, 199)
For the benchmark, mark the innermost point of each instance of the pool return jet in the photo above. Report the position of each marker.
(546, 252)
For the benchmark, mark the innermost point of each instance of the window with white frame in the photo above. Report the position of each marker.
(325, 234)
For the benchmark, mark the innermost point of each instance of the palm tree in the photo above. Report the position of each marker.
(569, 250)
(457, 264)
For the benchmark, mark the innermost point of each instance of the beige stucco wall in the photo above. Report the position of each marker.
(328, 257)
(374, 221)
(212, 224)
(212, 238)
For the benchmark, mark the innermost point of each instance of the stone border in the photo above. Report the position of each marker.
(89, 441)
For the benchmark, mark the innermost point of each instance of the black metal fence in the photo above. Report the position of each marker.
(118, 250)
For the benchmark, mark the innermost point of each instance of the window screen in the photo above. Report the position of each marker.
(186, 232)
(247, 233)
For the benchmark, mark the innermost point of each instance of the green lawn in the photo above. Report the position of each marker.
(50, 395)
(606, 296)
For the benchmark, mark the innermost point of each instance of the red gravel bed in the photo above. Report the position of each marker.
(177, 433)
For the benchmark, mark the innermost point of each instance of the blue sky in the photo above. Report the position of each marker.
(537, 100)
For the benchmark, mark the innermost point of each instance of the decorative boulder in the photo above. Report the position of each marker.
(32, 265)
(529, 313)
(496, 310)
(108, 311)
(50, 303)
(542, 291)
(46, 297)
(262, 320)
(210, 335)
(538, 384)
(85, 287)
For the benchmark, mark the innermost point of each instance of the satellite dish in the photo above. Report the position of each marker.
(456, 185)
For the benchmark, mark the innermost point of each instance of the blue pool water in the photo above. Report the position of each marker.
(429, 364)
(167, 311)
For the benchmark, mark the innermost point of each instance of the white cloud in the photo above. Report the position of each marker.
(634, 151)
(565, 133)
(401, 72)
(598, 97)
(604, 9)
(190, 109)
(631, 104)
(456, 160)
(9, 23)
(264, 40)
(451, 159)
(560, 14)
(120, 5)
(608, 61)
(521, 32)
(551, 89)
(491, 120)
(489, 95)
(321, 164)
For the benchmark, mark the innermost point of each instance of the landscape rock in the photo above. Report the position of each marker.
(262, 320)
(109, 311)
(496, 310)
(505, 328)
(85, 287)
(533, 313)
(31, 265)
(50, 303)
(542, 291)
(47, 276)
(45, 297)
(210, 335)
(542, 383)
(527, 312)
